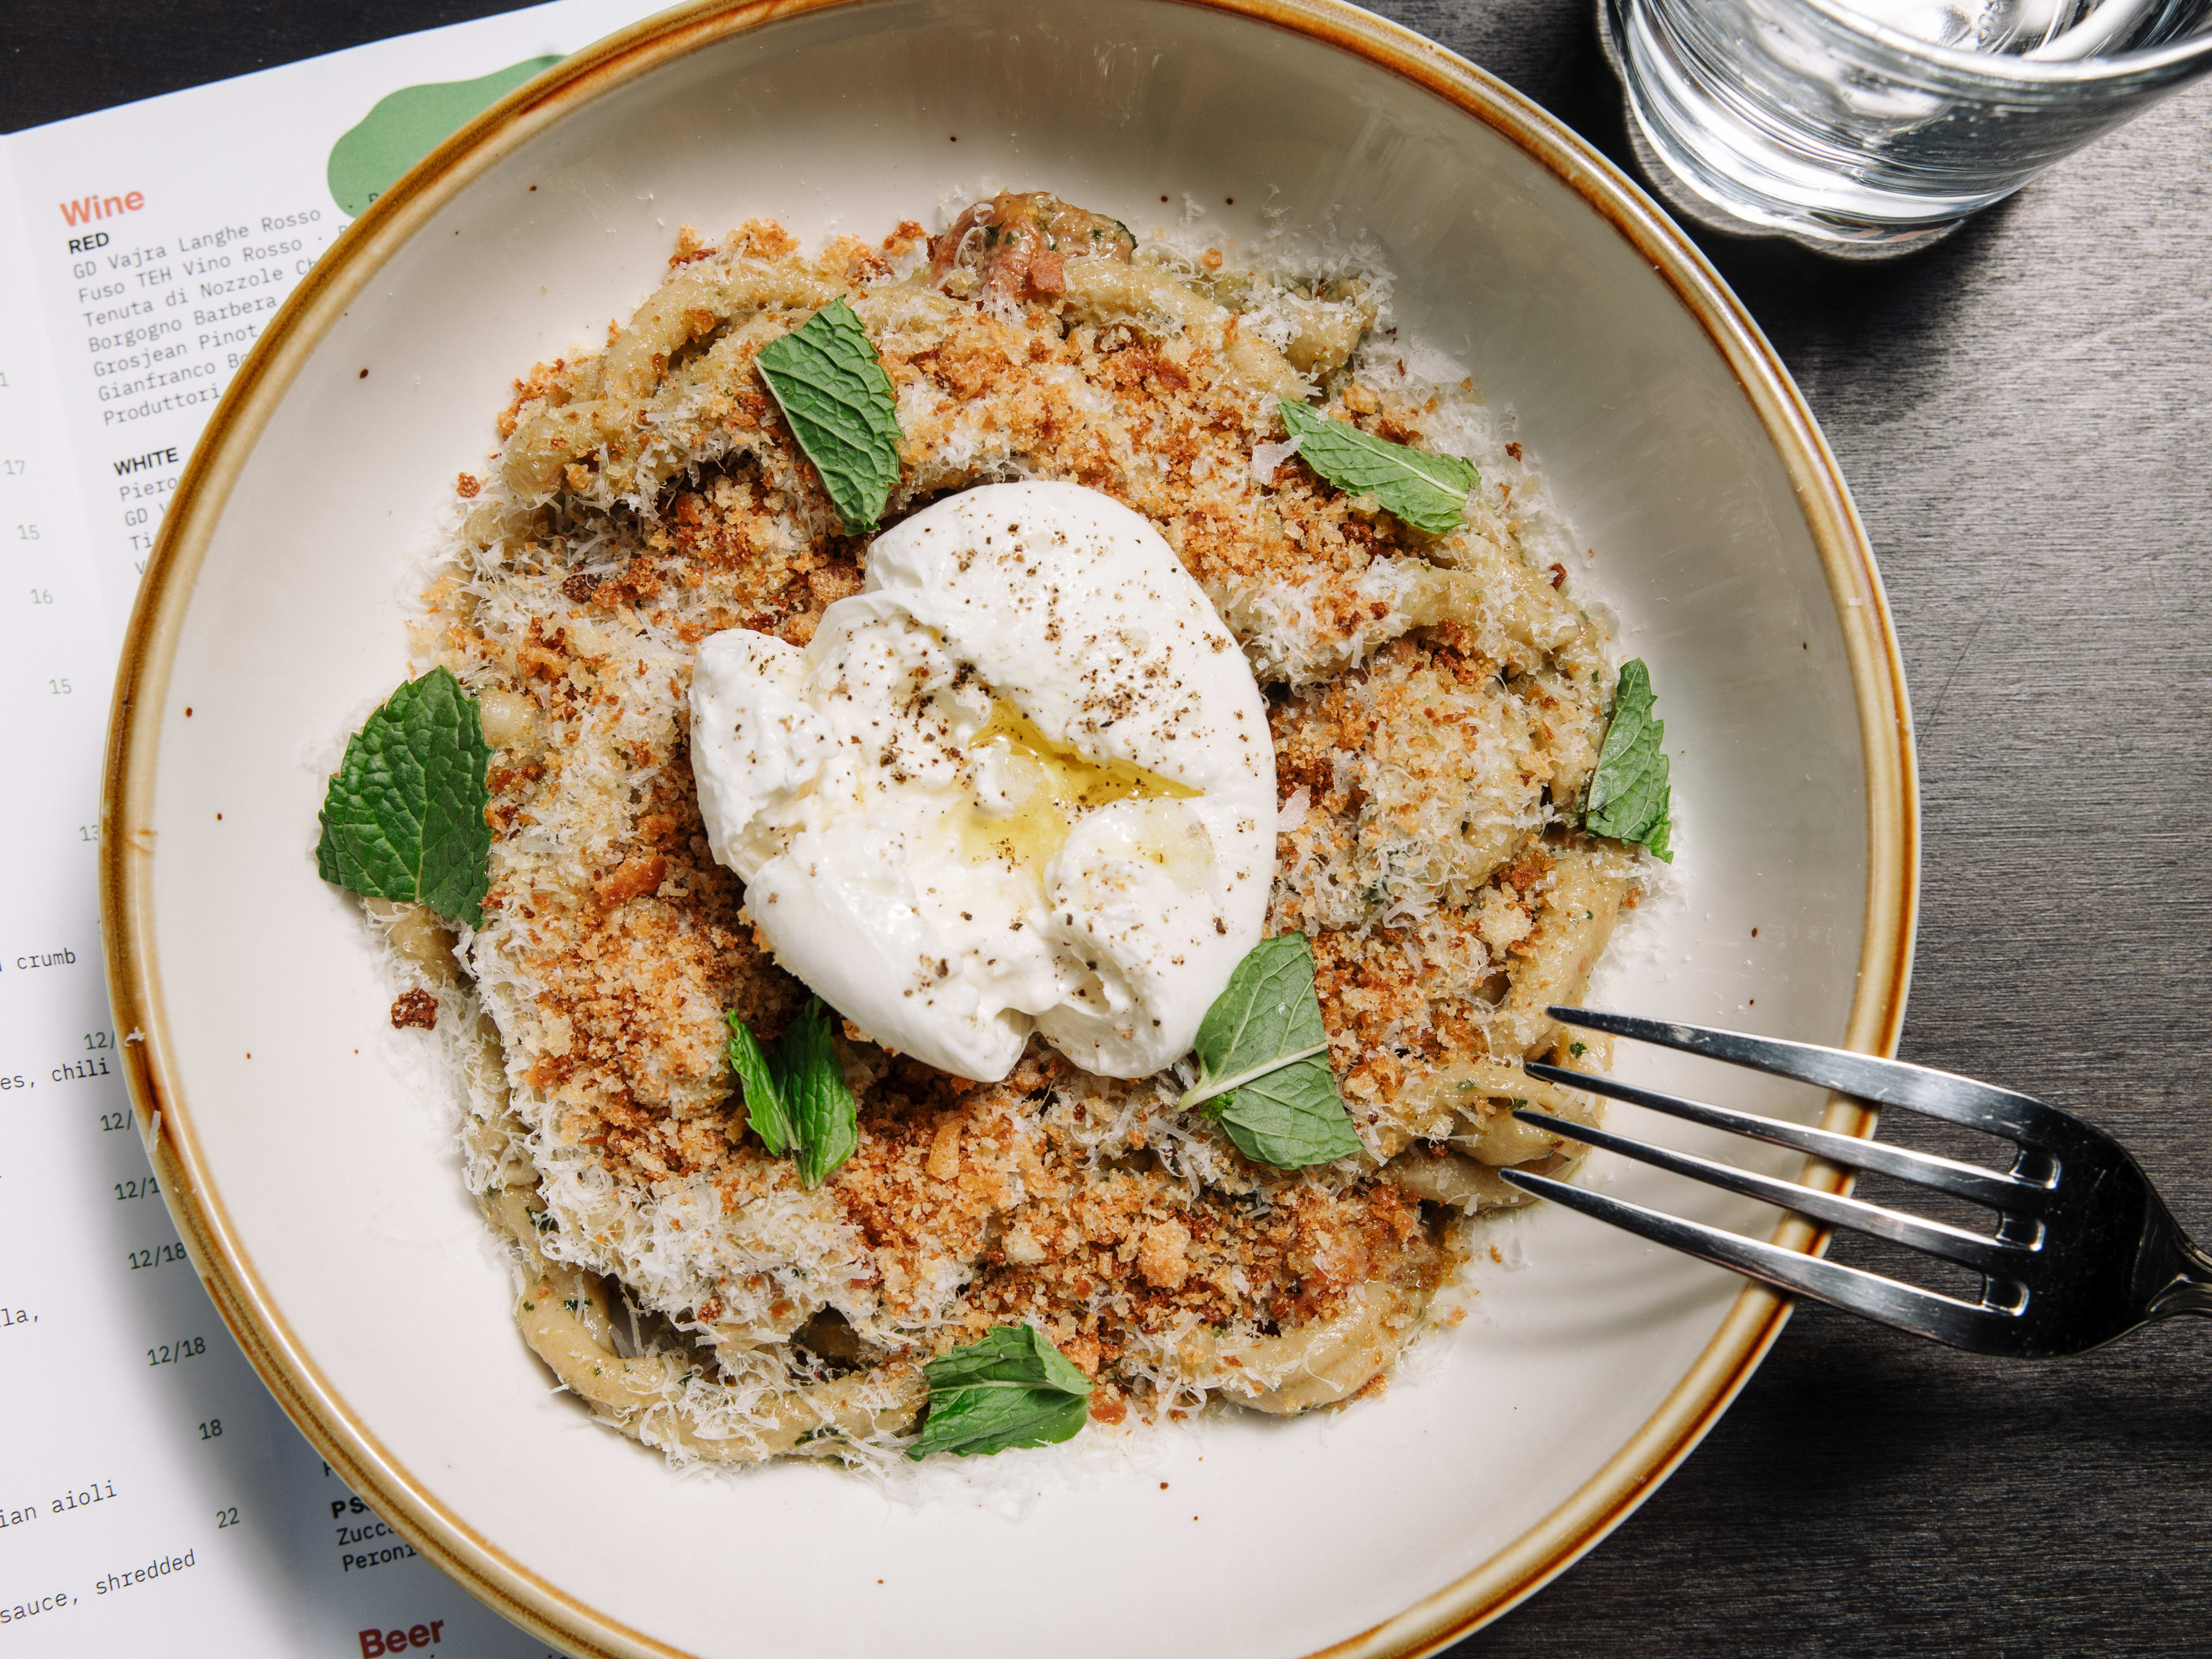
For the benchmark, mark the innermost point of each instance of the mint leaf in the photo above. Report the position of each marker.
(796, 1099)
(825, 1119)
(1428, 491)
(1291, 1118)
(403, 818)
(1629, 794)
(1263, 1054)
(765, 1109)
(1012, 1388)
(833, 390)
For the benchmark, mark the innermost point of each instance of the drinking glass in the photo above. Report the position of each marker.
(1872, 128)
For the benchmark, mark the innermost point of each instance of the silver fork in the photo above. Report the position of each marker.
(2083, 1250)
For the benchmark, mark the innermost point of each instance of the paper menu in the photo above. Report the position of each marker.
(162, 236)
(153, 1497)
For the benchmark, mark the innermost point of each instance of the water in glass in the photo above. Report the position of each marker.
(1874, 126)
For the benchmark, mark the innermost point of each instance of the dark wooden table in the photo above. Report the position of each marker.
(2025, 413)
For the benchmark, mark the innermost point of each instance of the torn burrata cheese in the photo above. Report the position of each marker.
(1022, 781)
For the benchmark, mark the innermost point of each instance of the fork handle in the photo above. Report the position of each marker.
(2190, 1290)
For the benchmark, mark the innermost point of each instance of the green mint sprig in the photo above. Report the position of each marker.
(765, 1107)
(832, 388)
(1012, 1389)
(1428, 491)
(1263, 1054)
(824, 1116)
(404, 816)
(796, 1099)
(1629, 793)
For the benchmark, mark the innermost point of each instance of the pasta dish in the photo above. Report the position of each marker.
(1437, 698)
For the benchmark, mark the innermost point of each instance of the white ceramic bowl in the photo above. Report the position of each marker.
(317, 1195)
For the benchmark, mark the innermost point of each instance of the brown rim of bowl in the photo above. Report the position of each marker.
(127, 841)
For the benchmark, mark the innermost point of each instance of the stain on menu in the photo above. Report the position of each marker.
(152, 1488)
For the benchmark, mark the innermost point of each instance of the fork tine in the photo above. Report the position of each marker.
(1906, 1306)
(1967, 1181)
(1886, 1082)
(1975, 1250)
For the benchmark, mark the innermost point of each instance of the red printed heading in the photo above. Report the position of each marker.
(85, 209)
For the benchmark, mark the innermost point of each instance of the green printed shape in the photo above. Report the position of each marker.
(406, 125)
